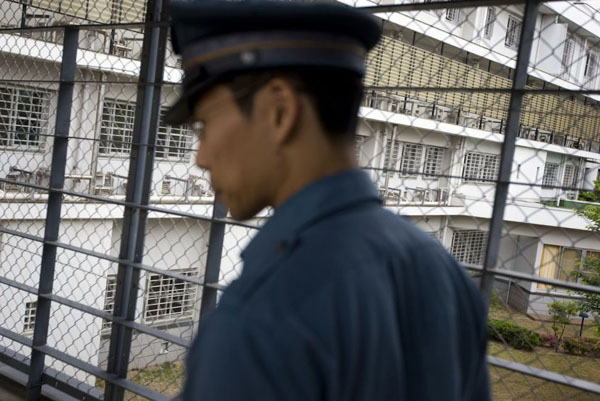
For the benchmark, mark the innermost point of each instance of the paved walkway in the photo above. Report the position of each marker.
(10, 392)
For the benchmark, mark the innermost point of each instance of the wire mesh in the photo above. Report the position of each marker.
(434, 126)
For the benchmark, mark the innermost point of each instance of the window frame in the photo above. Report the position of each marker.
(189, 294)
(16, 114)
(545, 180)
(109, 300)
(514, 25)
(480, 171)
(29, 317)
(464, 252)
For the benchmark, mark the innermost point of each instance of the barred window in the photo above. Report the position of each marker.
(169, 297)
(453, 14)
(513, 32)
(23, 117)
(568, 53)
(569, 175)
(550, 177)
(591, 63)
(468, 246)
(173, 141)
(434, 157)
(490, 19)
(109, 298)
(359, 141)
(391, 154)
(29, 317)
(482, 167)
(116, 129)
(412, 155)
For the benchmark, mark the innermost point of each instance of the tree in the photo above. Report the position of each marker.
(591, 196)
(561, 313)
(589, 269)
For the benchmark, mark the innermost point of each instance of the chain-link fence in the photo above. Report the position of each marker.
(480, 122)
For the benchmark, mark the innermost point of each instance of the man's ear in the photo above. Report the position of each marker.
(280, 106)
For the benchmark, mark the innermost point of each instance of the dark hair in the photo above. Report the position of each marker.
(335, 94)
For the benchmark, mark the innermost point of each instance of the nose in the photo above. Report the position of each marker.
(201, 160)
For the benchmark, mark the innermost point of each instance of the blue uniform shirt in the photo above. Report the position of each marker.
(341, 299)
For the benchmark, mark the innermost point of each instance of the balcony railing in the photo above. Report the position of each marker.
(414, 196)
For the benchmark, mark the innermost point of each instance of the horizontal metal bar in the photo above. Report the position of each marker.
(545, 374)
(108, 316)
(529, 277)
(84, 27)
(18, 285)
(102, 256)
(16, 337)
(98, 372)
(438, 5)
(111, 201)
(486, 90)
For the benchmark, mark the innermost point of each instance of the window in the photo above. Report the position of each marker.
(434, 157)
(23, 117)
(359, 141)
(490, 19)
(569, 178)
(169, 297)
(468, 246)
(116, 129)
(29, 317)
(568, 53)
(453, 14)
(591, 64)
(421, 159)
(412, 155)
(173, 141)
(561, 263)
(391, 154)
(550, 177)
(482, 167)
(513, 32)
(109, 298)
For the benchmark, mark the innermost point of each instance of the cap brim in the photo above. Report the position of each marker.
(182, 111)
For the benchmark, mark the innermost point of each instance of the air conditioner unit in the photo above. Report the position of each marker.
(544, 137)
(10, 187)
(105, 185)
(166, 187)
(571, 195)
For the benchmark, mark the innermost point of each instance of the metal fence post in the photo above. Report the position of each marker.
(138, 193)
(57, 179)
(508, 146)
(213, 259)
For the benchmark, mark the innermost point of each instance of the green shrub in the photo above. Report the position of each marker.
(582, 346)
(516, 336)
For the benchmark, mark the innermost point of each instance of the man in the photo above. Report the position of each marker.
(339, 299)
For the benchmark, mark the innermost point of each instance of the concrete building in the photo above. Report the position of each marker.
(434, 155)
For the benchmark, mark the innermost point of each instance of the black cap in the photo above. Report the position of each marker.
(222, 37)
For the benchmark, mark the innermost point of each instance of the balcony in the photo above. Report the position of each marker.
(414, 196)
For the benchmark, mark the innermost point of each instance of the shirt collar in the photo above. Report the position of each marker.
(320, 198)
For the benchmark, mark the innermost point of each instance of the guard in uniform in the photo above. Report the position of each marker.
(339, 299)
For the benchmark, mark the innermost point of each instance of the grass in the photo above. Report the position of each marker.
(507, 385)
(168, 377)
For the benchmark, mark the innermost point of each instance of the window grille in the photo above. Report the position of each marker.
(391, 154)
(29, 317)
(591, 63)
(550, 177)
(412, 155)
(513, 32)
(468, 246)
(116, 129)
(109, 299)
(173, 141)
(482, 167)
(359, 141)
(453, 14)
(434, 157)
(23, 117)
(568, 53)
(568, 177)
(490, 19)
(168, 297)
